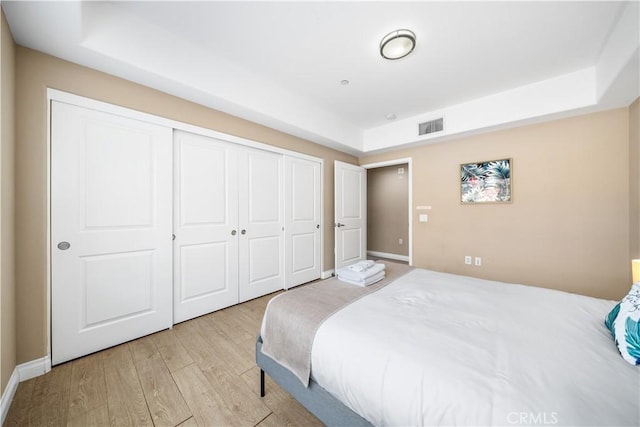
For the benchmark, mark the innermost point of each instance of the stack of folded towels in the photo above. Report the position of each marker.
(362, 273)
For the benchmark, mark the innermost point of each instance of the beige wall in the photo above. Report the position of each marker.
(568, 225)
(387, 210)
(634, 180)
(7, 144)
(35, 73)
(567, 228)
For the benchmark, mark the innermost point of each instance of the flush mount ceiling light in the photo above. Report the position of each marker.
(397, 44)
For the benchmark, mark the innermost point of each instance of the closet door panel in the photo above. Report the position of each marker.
(302, 221)
(206, 225)
(110, 230)
(261, 223)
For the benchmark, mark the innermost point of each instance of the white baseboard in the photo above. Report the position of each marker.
(34, 368)
(327, 274)
(389, 256)
(22, 372)
(7, 396)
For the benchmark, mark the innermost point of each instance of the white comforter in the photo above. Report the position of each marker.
(439, 349)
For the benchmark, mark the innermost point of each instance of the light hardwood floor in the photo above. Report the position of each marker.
(200, 373)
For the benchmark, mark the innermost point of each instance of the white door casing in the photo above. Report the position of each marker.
(205, 225)
(350, 214)
(302, 221)
(261, 224)
(111, 209)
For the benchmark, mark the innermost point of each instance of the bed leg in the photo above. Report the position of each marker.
(261, 383)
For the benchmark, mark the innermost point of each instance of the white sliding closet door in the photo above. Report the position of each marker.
(110, 230)
(261, 223)
(206, 225)
(302, 221)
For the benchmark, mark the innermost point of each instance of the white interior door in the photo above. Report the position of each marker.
(205, 224)
(302, 221)
(350, 213)
(110, 230)
(261, 223)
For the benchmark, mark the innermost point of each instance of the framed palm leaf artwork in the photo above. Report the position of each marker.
(486, 182)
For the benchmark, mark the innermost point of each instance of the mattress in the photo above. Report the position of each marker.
(439, 349)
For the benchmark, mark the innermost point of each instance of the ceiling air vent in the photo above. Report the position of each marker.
(431, 126)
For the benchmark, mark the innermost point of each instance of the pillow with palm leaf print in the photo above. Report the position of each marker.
(624, 323)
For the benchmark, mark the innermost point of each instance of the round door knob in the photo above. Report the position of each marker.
(233, 232)
(63, 246)
(243, 232)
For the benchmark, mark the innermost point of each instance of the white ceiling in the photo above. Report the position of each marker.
(281, 63)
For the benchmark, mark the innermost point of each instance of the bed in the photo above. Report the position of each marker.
(430, 348)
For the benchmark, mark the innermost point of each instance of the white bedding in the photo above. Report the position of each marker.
(440, 349)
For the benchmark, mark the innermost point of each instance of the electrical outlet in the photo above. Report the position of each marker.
(467, 260)
(478, 261)
(399, 241)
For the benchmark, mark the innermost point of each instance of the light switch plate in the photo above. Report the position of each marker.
(424, 217)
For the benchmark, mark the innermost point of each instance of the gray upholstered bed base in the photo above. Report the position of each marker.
(316, 399)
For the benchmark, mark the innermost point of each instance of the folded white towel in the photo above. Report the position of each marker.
(349, 274)
(365, 282)
(361, 265)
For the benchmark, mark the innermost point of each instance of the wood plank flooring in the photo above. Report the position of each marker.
(200, 373)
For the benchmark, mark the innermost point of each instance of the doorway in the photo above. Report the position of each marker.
(389, 219)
